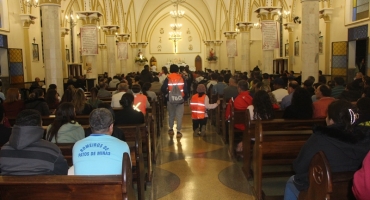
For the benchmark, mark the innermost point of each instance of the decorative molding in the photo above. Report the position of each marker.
(289, 26)
(102, 46)
(326, 13)
(267, 13)
(110, 30)
(123, 37)
(245, 26)
(50, 2)
(89, 17)
(27, 20)
(143, 44)
(218, 42)
(64, 31)
(230, 34)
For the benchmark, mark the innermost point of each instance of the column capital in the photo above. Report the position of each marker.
(289, 26)
(89, 17)
(245, 26)
(27, 20)
(326, 14)
(133, 44)
(207, 42)
(64, 31)
(110, 30)
(267, 13)
(102, 46)
(218, 42)
(309, 0)
(123, 37)
(143, 44)
(50, 2)
(230, 34)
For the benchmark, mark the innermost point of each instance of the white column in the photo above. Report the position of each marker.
(244, 28)
(27, 20)
(207, 43)
(110, 34)
(326, 15)
(310, 38)
(51, 40)
(103, 57)
(134, 49)
(123, 63)
(218, 49)
(231, 35)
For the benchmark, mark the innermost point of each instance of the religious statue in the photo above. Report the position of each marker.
(212, 56)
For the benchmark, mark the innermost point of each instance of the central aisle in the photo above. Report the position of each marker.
(196, 167)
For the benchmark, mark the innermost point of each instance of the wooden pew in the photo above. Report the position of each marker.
(295, 126)
(278, 142)
(45, 187)
(224, 122)
(236, 117)
(327, 185)
(130, 135)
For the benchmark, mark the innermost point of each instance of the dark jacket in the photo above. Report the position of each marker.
(344, 151)
(295, 112)
(5, 133)
(129, 116)
(27, 154)
(146, 76)
(86, 111)
(39, 105)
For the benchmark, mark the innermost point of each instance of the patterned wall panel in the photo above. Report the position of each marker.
(339, 59)
(16, 69)
(15, 55)
(16, 66)
(339, 62)
(16, 79)
(357, 33)
(339, 72)
(339, 48)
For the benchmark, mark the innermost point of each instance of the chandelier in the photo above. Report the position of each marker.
(177, 13)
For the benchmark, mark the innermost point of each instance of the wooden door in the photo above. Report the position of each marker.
(198, 63)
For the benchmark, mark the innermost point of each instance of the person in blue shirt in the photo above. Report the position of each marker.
(100, 153)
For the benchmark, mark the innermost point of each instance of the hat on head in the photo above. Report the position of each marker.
(201, 88)
(279, 81)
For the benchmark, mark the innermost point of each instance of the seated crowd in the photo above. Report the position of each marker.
(345, 106)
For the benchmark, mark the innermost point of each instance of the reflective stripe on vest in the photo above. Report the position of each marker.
(176, 79)
(140, 103)
(198, 107)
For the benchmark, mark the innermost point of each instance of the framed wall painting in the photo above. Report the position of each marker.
(321, 47)
(35, 52)
(287, 50)
(296, 48)
(4, 15)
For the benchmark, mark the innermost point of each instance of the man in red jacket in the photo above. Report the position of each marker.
(241, 102)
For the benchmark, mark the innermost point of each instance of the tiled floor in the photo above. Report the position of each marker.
(196, 167)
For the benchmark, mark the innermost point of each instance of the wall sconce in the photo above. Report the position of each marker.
(296, 20)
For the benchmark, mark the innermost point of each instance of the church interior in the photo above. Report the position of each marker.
(53, 39)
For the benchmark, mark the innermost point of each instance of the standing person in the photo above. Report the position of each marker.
(27, 153)
(220, 86)
(163, 75)
(343, 142)
(65, 129)
(175, 109)
(199, 104)
(100, 153)
(146, 75)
